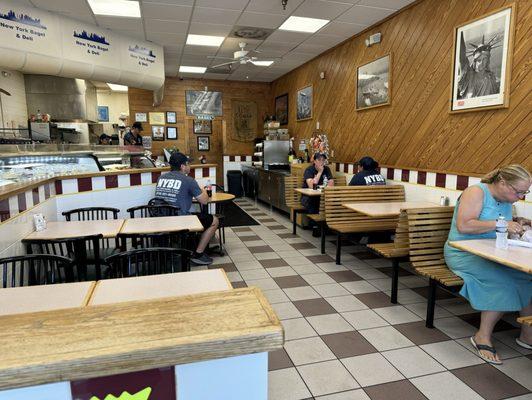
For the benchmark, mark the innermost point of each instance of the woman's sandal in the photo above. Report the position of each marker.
(522, 344)
(479, 347)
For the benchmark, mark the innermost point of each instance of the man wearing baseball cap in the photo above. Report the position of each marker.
(178, 189)
(314, 176)
(133, 137)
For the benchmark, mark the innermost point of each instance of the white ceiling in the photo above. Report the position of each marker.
(167, 22)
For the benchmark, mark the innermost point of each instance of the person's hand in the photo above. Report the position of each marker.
(320, 168)
(522, 221)
(514, 228)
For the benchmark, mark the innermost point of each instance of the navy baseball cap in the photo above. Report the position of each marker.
(177, 159)
(317, 156)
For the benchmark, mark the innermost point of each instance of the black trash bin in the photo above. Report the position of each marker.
(234, 183)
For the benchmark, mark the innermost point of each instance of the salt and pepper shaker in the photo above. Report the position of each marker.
(444, 201)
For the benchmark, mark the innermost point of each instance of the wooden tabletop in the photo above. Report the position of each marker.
(65, 345)
(27, 299)
(515, 257)
(162, 224)
(388, 208)
(219, 197)
(157, 286)
(309, 192)
(65, 229)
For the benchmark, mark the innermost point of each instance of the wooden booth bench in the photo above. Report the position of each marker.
(428, 229)
(343, 221)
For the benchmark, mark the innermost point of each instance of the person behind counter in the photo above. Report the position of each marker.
(314, 176)
(178, 189)
(104, 139)
(489, 286)
(367, 174)
(133, 137)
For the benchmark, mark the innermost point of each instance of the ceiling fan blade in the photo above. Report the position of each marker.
(227, 63)
(220, 58)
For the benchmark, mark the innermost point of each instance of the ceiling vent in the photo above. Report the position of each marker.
(250, 32)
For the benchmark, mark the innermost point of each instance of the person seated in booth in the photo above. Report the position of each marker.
(367, 174)
(490, 287)
(104, 139)
(133, 136)
(316, 175)
(178, 189)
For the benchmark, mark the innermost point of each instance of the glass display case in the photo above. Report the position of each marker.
(123, 160)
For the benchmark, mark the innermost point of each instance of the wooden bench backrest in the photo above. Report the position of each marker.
(339, 180)
(337, 195)
(292, 197)
(428, 229)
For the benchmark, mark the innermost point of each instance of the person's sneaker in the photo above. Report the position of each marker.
(204, 259)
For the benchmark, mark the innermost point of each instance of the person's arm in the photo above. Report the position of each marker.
(199, 194)
(522, 221)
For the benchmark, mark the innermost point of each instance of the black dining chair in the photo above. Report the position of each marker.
(176, 240)
(34, 269)
(155, 208)
(152, 261)
(77, 248)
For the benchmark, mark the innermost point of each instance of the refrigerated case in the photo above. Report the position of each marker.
(123, 160)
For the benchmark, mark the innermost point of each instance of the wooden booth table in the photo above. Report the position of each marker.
(309, 192)
(71, 229)
(161, 224)
(515, 257)
(387, 208)
(28, 299)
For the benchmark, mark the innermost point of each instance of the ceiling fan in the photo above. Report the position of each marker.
(242, 56)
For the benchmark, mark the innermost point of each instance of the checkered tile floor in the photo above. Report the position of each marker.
(345, 340)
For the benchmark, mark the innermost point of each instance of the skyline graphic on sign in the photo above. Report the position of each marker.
(144, 394)
(93, 37)
(22, 19)
(142, 50)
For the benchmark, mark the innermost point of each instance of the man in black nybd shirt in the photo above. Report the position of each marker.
(314, 176)
(367, 175)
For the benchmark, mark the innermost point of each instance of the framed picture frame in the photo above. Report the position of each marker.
(281, 109)
(141, 117)
(482, 62)
(171, 117)
(374, 83)
(202, 127)
(204, 143)
(103, 113)
(157, 132)
(202, 102)
(171, 133)
(304, 103)
(157, 118)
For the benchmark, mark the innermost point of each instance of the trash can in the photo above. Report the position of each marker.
(234, 183)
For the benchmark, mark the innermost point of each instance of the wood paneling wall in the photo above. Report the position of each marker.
(174, 100)
(416, 130)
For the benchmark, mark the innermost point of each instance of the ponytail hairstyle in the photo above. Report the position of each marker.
(368, 164)
(512, 174)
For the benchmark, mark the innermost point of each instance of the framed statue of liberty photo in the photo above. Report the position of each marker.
(482, 62)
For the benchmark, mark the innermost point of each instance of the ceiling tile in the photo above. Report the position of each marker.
(199, 28)
(166, 26)
(215, 76)
(342, 29)
(364, 15)
(312, 48)
(261, 20)
(215, 16)
(324, 40)
(174, 49)
(137, 34)
(391, 4)
(172, 2)
(273, 6)
(164, 39)
(89, 17)
(200, 50)
(65, 6)
(119, 23)
(321, 9)
(195, 61)
(287, 37)
(225, 4)
(166, 11)
(299, 56)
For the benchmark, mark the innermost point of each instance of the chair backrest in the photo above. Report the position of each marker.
(153, 261)
(337, 195)
(339, 180)
(428, 229)
(156, 207)
(76, 248)
(34, 269)
(174, 240)
(292, 198)
(91, 214)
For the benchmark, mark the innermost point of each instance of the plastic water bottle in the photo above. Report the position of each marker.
(501, 230)
(325, 181)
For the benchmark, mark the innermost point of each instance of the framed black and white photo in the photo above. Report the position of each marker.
(202, 102)
(171, 133)
(373, 84)
(202, 127)
(157, 132)
(281, 109)
(304, 103)
(171, 117)
(141, 117)
(204, 143)
(482, 56)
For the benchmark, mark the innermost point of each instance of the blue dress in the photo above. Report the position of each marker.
(489, 286)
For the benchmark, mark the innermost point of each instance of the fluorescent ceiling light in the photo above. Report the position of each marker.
(303, 24)
(192, 70)
(116, 8)
(262, 63)
(204, 40)
(117, 88)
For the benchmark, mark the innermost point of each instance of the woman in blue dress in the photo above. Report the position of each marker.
(490, 287)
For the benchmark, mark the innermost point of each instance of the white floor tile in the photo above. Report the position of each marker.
(301, 293)
(454, 327)
(412, 361)
(345, 303)
(444, 386)
(309, 350)
(371, 369)
(451, 355)
(281, 271)
(364, 319)
(359, 287)
(320, 278)
(286, 310)
(280, 380)
(357, 394)
(519, 369)
(297, 328)
(327, 377)
(329, 323)
(331, 290)
(386, 338)
(397, 315)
